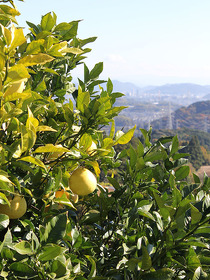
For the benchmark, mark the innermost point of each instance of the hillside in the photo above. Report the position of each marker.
(195, 116)
(184, 135)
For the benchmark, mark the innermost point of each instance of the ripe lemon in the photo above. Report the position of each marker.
(91, 150)
(16, 209)
(82, 181)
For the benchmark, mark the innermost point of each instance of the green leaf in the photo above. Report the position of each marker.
(86, 74)
(146, 259)
(193, 261)
(83, 99)
(49, 252)
(133, 157)
(23, 248)
(174, 145)
(199, 273)
(114, 182)
(196, 179)
(69, 33)
(177, 196)
(33, 160)
(182, 172)
(55, 229)
(109, 86)
(34, 59)
(33, 26)
(140, 149)
(4, 221)
(146, 136)
(196, 216)
(48, 21)
(161, 205)
(92, 216)
(58, 268)
(22, 269)
(112, 130)
(85, 141)
(160, 274)
(7, 240)
(124, 138)
(34, 47)
(96, 71)
(155, 155)
(93, 267)
(144, 213)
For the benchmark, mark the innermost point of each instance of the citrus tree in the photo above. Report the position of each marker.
(45, 136)
(57, 221)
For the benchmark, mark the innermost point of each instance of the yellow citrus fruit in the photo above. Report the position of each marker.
(16, 209)
(82, 181)
(92, 149)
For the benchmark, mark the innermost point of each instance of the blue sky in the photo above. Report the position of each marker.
(147, 42)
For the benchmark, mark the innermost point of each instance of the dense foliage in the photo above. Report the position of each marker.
(152, 226)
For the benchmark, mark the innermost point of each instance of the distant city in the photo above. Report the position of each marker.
(163, 107)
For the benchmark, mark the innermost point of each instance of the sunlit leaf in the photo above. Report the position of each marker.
(124, 138)
(23, 248)
(18, 37)
(33, 160)
(35, 59)
(50, 252)
(50, 148)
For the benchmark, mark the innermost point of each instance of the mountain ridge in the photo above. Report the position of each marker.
(178, 88)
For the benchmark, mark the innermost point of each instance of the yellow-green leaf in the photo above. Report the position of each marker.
(35, 47)
(196, 215)
(146, 259)
(18, 37)
(72, 50)
(95, 166)
(31, 121)
(33, 160)
(50, 148)
(5, 179)
(112, 130)
(125, 137)
(16, 95)
(45, 128)
(35, 59)
(16, 73)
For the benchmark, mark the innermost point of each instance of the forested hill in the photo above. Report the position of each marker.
(195, 116)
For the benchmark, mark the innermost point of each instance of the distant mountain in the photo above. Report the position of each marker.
(206, 97)
(130, 88)
(183, 94)
(195, 116)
